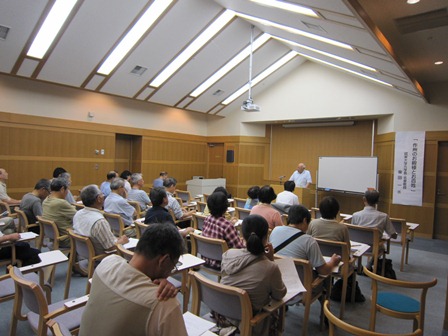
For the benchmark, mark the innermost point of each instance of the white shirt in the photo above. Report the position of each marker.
(287, 197)
(301, 179)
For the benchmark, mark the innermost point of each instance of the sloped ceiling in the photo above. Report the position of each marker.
(404, 60)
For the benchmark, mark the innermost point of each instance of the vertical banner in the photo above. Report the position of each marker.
(408, 168)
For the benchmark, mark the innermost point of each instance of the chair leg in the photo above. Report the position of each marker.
(403, 246)
(383, 266)
(306, 316)
(69, 275)
(343, 297)
(407, 251)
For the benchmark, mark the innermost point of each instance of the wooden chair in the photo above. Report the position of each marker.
(49, 230)
(182, 223)
(117, 225)
(334, 323)
(185, 196)
(285, 219)
(200, 206)
(24, 226)
(229, 301)
(404, 237)
(315, 290)
(396, 304)
(315, 213)
(239, 202)
(40, 311)
(328, 248)
(138, 210)
(210, 248)
(5, 207)
(57, 329)
(140, 227)
(124, 253)
(371, 237)
(198, 221)
(241, 213)
(81, 247)
(78, 206)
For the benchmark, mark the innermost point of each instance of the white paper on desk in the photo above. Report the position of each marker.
(28, 235)
(358, 249)
(196, 325)
(290, 278)
(336, 268)
(132, 243)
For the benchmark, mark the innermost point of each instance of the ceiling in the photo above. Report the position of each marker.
(402, 52)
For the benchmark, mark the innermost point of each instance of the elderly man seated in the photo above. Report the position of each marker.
(31, 203)
(116, 202)
(136, 193)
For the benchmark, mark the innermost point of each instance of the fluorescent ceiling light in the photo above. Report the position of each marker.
(287, 6)
(282, 61)
(193, 47)
(320, 124)
(294, 31)
(325, 54)
(230, 65)
(127, 43)
(51, 27)
(345, 69)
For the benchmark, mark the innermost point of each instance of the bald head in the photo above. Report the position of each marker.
(301, 167)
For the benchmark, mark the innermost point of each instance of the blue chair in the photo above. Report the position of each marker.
(396, 304)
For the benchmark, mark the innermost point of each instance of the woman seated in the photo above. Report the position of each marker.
(252, 199)
(265, 209)
(253, 268)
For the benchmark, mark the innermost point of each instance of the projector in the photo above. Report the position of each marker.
(249, 106)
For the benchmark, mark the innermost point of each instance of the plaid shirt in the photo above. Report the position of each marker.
(220, 228)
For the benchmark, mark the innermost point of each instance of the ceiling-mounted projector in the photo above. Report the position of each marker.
(249, 106)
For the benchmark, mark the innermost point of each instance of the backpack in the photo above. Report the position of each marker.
(336, 291)
(388, 270)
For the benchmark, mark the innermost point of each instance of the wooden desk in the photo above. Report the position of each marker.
(186, 262)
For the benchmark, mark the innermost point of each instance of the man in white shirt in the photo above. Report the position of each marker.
(3, 194)
(116, 202)
(287, 196)
(301, 177)
(136, 193)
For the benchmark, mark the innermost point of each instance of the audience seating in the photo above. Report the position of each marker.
(371, 237)
(5, 207)
(24, 226)
(229, 301)
(404, 237)
(81, 247)
(241, 213)
(209, 248)
(353, 330)
(139, 228)
(315, 290)
(78, 206)
(198, 221)
(200, 206)
(185, 196)
(117, 225)
(138, 211)
(315, 213)
(285, 219)
(49, 229)
(58, 330)
(239, 202)
(396, 304)
(328, 248)
(182, 223)
(40, 311)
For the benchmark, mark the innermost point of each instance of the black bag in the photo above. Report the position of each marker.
(336, 291)
(388, 270)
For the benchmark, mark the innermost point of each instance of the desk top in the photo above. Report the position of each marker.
(412, 226)
(187, 261)
(358, 249)
(46, 259)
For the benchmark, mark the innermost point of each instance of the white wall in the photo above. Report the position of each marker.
(23, 96)
(313, 91)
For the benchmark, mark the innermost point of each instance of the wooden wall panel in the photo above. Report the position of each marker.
(293, 145)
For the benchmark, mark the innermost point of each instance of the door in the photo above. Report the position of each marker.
(441, 209)
(215, 160)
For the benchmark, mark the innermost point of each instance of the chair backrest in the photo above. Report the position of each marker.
(208, 247)
(137, 207)
(228, 301)
(334, 321)
(116, 223)
(241, 213)
(239, 202)
(315, 213)
(5, 207)
(124, 253)
(30, 292)
(285, 219)
(78, 206)
(49, 229)
(140, 228)
(400, 227)
(23, 220)
(328, 247)
(184, 195)
(198, 221)
(365, 235)
(82, 244)
(200, 206)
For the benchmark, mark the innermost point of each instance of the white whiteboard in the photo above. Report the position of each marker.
(348, 174)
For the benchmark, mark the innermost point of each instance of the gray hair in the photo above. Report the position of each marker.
(66, 176)
(116, 183)
(170, 181)
(136, 177)
(89, 194)
(58, 183)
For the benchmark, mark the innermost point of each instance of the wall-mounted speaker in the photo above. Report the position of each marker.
(230, 157)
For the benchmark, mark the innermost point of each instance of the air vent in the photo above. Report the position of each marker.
(138, 70)
(313, 26)
(217, 93)
(3, 32)
(424, 21)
